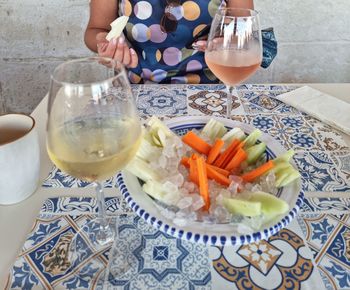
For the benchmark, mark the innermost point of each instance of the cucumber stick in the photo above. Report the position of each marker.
(252, 138)
(242, 207)
(286, 157)
(286, 176)
(255, 204)
(255, 152)
(270, 204)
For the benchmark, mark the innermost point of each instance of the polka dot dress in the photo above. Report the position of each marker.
(163, 57)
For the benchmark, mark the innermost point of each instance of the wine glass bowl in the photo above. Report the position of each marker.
(234, 47)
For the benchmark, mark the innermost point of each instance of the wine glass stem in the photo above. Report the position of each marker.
(101, 215)
(229, 91)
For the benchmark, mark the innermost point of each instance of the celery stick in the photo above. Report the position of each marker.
(214, 130)
(155, 125)
(154, 189)
(142, 169)
(235, 133)
(147, 151)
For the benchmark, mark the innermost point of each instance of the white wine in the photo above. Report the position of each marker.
(94, 149)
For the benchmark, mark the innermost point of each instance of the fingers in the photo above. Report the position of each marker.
(111, 48)
(101, 37)
(117, 49)
(101, 48)
(119, 52)
(200, 45)
(134, 60)
(127, 56)
(101, 42)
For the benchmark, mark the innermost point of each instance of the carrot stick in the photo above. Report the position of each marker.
(221, 159)
(223, 172)
(219, 178)
(236, 161)
(193, 176)
(232, 154)
(203, 181)
(185, 161)
(251, 175)
(215, 151)
(195, 142)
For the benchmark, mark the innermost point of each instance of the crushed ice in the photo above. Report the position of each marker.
(184, 195)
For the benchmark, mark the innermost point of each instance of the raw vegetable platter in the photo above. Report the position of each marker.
(235, 216)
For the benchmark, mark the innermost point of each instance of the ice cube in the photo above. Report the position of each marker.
(220, 199)
(176, 179)
(172, 195)
(190, 186)
(225, 193)
(248, 186)
(181, 222)
(270, 181)
(238, 180)
(172, 164)
(233, 188)
(256, 188)
(169, 186)
(207, 219)
(244, 229)
(162, 161)
(254, 222)
(214, 187)
(184, 202)
(183, 170)
(184, 191)
(221, 214)
(197, 202)
(192, 216)
(236, 219)
(177, 142)
(167, 213)
(168, 151)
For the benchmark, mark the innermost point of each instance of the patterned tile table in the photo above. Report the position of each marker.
(313, 251)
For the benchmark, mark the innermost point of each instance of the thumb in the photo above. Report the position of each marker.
(101, 37)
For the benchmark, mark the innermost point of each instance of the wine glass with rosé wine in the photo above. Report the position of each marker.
(93, 131)
(234, 47)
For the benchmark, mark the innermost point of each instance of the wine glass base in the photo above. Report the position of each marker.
(94, 236)
(108, 262)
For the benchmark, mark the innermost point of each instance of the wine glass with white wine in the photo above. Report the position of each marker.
(93, 131)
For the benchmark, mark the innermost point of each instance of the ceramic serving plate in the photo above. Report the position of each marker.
(200, 232)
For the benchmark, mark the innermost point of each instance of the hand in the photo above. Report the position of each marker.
(200, 45)
(117, 49)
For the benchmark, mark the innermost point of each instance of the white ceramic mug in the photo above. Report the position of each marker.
(19, 158)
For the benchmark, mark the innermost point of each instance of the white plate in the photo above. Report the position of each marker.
(219, 234)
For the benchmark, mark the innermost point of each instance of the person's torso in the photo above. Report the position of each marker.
(160, 39)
